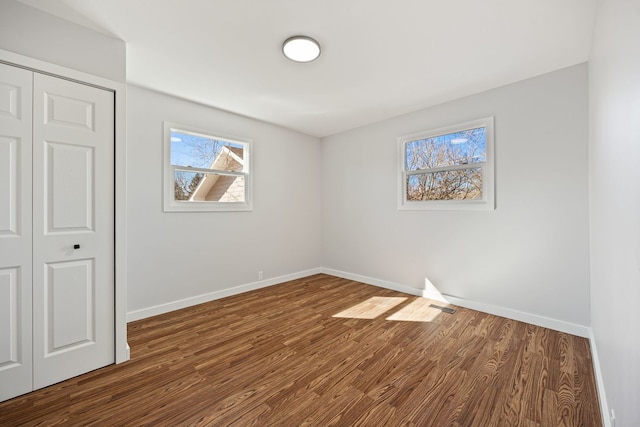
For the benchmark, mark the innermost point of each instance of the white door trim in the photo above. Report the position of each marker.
(120, 256)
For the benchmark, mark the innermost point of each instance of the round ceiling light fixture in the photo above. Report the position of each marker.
(301, 49)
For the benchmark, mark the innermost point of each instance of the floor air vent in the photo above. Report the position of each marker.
(444, 309)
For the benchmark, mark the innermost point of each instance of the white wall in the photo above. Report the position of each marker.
(175, 256)
(530, 254)
(39, 35)
(614, 105)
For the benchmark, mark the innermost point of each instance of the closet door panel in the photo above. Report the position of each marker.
(73, 231)
(69, 192)
(15, 232)
(9, 185)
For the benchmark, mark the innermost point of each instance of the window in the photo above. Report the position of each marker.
(203, 172)
(448, 168)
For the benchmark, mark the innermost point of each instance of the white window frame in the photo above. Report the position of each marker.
(172, 205)
(488, 173)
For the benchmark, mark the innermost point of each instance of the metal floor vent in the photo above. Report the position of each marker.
(444, 309)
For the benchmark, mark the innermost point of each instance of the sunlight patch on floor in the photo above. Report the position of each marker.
(371, 308)
(418, 310)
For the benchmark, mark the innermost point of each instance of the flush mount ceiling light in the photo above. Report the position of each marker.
(301, 49)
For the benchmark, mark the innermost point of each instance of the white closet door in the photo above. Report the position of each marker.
(15, 232)
(73, 229)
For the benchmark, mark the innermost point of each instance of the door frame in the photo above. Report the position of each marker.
(122, 352)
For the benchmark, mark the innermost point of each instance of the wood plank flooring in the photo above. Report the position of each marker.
(320, 351)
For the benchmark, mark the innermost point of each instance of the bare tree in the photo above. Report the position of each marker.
(454, 150)
(185, 184)
(203, 150)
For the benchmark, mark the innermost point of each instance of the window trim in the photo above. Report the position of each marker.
(172, 205)
(488, 170)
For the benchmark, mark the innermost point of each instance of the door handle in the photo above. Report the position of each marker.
(76, 246)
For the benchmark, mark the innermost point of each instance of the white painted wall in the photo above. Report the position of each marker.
(614, 105)
(531, 254)
(175, 256)
(39, 35)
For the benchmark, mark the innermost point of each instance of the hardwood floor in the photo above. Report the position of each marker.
(320, 351)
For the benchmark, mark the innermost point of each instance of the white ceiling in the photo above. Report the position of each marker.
(380, 58)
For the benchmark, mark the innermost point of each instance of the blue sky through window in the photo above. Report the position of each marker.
(195, 150)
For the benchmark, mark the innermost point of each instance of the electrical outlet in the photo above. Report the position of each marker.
(260, 275)
(612, 418)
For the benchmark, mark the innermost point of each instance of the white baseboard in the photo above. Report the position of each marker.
(602, 397)
(199, 299)
(375, 282)
(546, 322)
(522, 316)
(558, 325)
